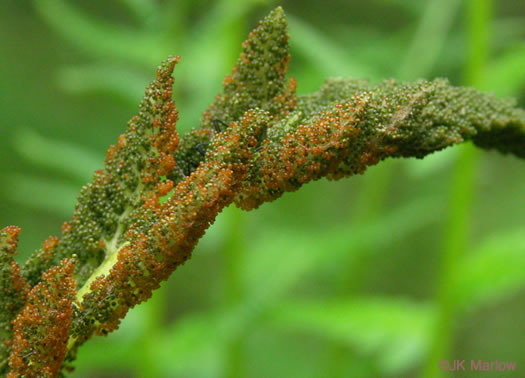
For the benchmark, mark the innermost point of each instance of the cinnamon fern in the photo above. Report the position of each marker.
(158, 192)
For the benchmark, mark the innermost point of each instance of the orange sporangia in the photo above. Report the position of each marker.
(164, 188)
(121, 141)
(166, 233)
(66, 226)
(49, 246)
(41, 329)
(13, 286)
(10, 239)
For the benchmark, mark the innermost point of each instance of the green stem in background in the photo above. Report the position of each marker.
(421, 56)
(153, 312)
(233, 252)
(456, 233)
(233, 257)
(478, 16)
(373, 195)
(430, 37)
(234, 248)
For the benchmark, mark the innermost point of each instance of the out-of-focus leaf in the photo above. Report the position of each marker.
(145, 11)
(98, 38)
(507, 30)
(57, 155)
(95, 356)
(331, 59)
(506, 75)
(495, 270)
(273, 353)
(195, 345)
(429, 38)
(375, 48)
(281, 259)
(119, 80)
(397, 331)
(414, 7)
(51, 196)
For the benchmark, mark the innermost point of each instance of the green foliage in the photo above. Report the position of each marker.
(395, 330)
(506, 72)
(492, 271)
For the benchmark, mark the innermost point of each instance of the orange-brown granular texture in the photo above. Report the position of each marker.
(166, 233)
(9, 240)
(13, 290)
(135, 165)
(41, 329)
(14, 285)
(308, 153)
(173, 228)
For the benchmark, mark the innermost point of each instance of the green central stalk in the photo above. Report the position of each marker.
(102, 270)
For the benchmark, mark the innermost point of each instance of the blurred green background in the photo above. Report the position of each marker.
(380, 275)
